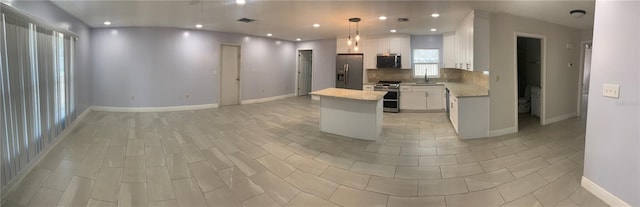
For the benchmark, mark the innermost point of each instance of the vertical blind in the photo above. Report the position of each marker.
(36, 84)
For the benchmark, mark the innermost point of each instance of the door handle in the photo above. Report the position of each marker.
(346, 74)
(238, 79)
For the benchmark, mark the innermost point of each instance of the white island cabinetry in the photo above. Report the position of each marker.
(351, 113)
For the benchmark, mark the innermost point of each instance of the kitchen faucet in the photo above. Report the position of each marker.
(425, 77)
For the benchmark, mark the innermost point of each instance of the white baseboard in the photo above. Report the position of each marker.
(500, 132)
(260, 100)
(154, 109)
(560, 118)
(601, 193)
(12, 185)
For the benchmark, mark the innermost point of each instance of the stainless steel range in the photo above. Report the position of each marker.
(391, 101)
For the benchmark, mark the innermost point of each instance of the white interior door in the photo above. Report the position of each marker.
(305, 61)
(230, 75)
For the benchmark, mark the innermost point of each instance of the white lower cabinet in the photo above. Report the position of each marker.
(453, 111)
(469, 116)
(421, 98)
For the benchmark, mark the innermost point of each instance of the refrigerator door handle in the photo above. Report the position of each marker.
(346, 74)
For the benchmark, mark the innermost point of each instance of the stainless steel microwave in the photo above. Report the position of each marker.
(388, 60)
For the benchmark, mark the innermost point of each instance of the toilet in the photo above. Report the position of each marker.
(524, 104)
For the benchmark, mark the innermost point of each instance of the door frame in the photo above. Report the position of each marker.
(543, 78)
(297, 73)
(581, 73)
(220, 87)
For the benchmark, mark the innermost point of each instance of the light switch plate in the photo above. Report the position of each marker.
(611, 90)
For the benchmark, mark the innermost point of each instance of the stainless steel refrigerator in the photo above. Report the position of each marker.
(349, 71)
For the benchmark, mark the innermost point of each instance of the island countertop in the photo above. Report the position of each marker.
(351, 94)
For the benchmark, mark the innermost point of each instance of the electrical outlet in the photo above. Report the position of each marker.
(133, 98)
(187, 96)
(611, 90)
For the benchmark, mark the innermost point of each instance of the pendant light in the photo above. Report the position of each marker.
(349, 38)
(349, 41)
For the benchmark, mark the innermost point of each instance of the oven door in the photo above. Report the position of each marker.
(391, 95)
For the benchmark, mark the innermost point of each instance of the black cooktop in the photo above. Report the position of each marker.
(389, 82)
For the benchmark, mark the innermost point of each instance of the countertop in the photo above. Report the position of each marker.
(462, 90)
(351, 94)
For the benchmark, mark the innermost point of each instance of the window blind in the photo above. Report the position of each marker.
(36, 85)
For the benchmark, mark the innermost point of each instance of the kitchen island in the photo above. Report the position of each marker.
(351, 113)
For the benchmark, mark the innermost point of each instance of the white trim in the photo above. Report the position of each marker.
(154, 109)
(601, 193)
(260, 100)
(500, 132)
(561, 117)
(12, 185)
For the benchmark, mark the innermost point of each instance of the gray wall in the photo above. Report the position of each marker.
(612, 149)
(561, 81)
(161, 66)
(54, 15)
(324, 62)
(427, 42)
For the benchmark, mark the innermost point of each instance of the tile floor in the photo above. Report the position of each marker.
(272, 154)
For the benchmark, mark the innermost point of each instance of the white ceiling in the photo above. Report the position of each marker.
(289, 20)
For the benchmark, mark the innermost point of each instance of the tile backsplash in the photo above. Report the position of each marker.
(447, 75)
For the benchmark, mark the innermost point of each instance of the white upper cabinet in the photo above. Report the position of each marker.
(384, 45)
(470, 43)
(374, 45)
(449, 45)
(370, 51)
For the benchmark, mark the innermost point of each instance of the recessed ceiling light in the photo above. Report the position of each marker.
(433, 30)
(298, 39)
(240, 2)
(198, 25)
(316, 25)
(392, 31)
(107, 23)
(382, 17)
(269, 34)
(435, 15)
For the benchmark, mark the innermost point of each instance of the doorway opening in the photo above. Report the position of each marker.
(585, 76)
(305, 66)
(229, 75)
(529, 79)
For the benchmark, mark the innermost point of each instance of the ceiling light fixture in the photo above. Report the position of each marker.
(382, 18)
(269, 34)
(107, 23)
(240, 2)
(357, 21)
(435, 15)
(393, 31)
(199, 26)
(316, 25)
(433, 29)
(298, 39)
(577, 13)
